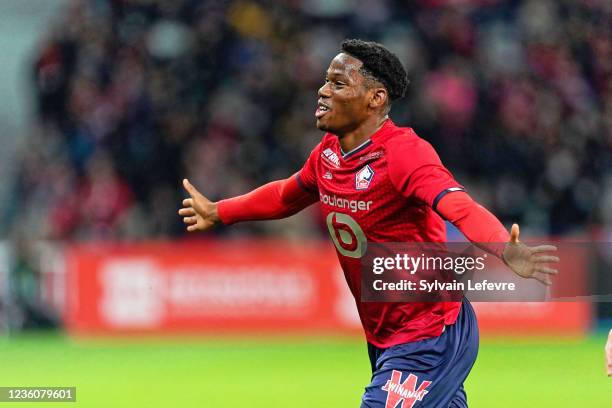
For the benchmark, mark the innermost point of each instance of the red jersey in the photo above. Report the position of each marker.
(385, 190)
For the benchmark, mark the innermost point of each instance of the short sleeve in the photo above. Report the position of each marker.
(416, 171)
(307, 176)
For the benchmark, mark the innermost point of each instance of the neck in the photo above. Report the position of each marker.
(352, 139)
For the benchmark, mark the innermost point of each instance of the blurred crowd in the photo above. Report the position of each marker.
(134, 95)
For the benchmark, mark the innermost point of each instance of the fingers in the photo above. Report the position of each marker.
(544, 259)
(190, 189)
(514, 234)
(186, 212)
(542, 279)
(190, 220)
(543, 248)
(548, 271)
(192, 223)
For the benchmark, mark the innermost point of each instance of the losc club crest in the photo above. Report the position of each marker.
(363, 178)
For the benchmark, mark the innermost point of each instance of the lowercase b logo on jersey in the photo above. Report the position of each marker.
(404, 394)
(363, 178)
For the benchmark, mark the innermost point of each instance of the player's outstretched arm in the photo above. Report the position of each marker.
(278, 199)
(482, 227)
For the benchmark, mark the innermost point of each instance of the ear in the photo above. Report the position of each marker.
(378, 98)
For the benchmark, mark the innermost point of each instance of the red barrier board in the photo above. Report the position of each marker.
(246, 287)
(209, 286)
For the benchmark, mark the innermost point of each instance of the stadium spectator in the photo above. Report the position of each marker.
(516, 97)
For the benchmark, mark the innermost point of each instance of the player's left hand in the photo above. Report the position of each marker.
(529, 262)
(609, 354)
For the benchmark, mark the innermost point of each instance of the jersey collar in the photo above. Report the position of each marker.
(356, 149)
(368, 142)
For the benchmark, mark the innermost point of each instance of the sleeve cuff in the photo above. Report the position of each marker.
(436, 200)
(222, 212)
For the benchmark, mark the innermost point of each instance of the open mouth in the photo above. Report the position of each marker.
(321, 110)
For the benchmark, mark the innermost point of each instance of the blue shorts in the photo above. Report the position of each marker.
(427, 373)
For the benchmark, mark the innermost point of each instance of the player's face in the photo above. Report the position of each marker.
(343, 99)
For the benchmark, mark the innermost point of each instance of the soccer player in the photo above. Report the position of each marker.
(377, 182)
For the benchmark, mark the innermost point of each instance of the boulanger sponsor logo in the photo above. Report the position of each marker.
(404, 394)
(331, 157)
(363, 178)
(346, 234)
(339, 202)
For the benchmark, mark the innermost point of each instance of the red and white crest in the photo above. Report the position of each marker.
(404, 394)
(363, 178)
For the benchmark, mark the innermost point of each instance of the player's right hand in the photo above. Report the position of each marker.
(198, 212)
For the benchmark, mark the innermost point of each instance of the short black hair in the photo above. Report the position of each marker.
(380, 64)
